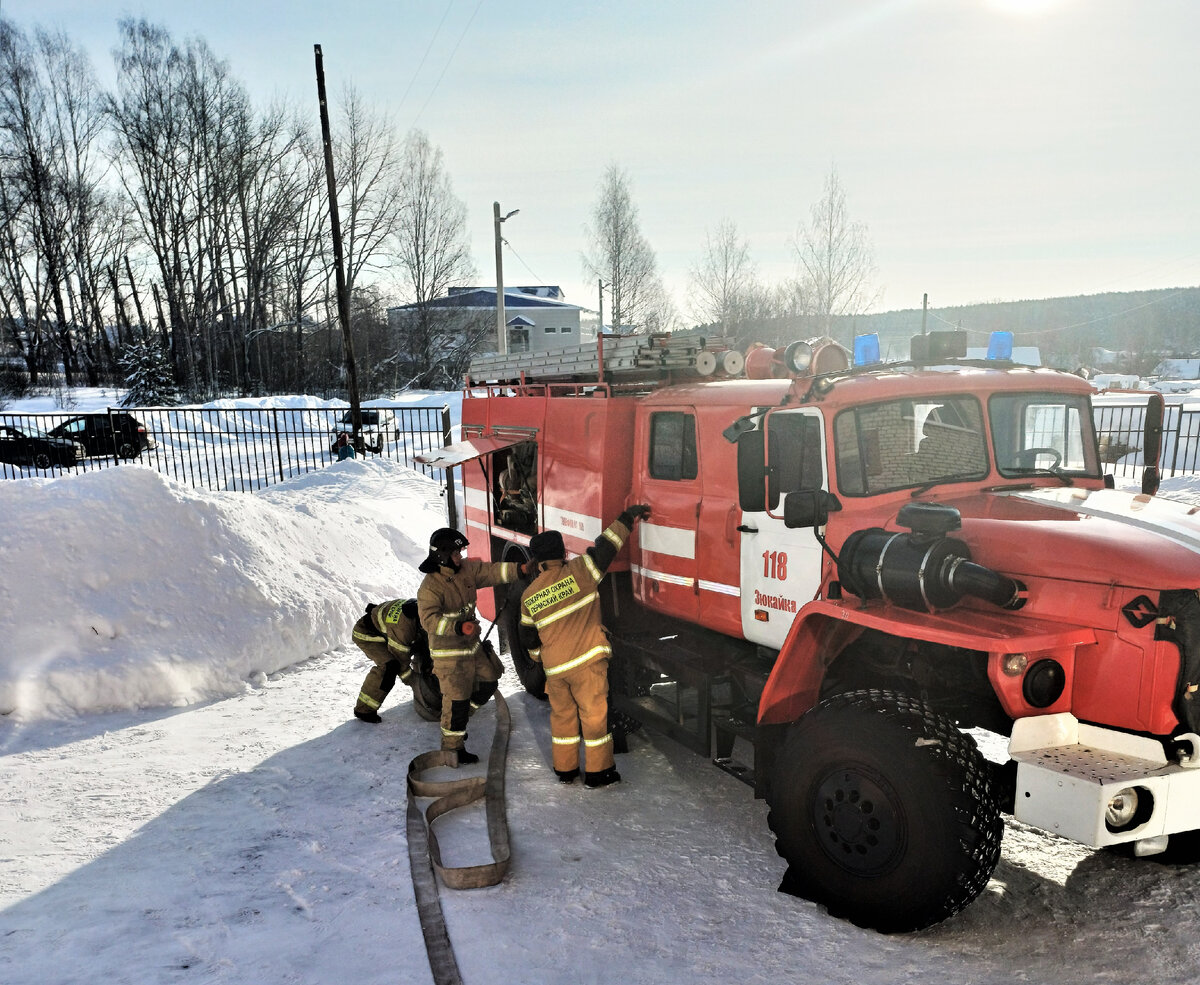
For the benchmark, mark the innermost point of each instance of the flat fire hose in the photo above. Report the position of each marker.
(425, 854)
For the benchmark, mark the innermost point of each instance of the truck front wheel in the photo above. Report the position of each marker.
(884, 811)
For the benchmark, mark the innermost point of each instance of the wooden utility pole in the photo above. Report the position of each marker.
(339, 267)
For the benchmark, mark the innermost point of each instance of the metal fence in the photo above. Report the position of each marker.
(232, 449)
(1119, 421)
(247, 449)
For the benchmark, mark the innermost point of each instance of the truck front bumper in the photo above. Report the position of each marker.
(1101, 787)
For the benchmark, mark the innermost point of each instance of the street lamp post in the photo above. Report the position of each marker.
(501, 332)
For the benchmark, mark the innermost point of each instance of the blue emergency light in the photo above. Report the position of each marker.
(866, 350)
(1000, 346)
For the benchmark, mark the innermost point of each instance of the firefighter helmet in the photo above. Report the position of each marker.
(447, 540)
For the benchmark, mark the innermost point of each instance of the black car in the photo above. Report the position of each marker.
(29, 446)
(120, 434)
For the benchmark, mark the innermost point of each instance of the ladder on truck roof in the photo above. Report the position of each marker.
(630, 358)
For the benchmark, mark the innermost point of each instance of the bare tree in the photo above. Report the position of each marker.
(271, 184)
(432, 254)
(56, 220)
(371, 172)
(622, 259)
(835, 258)
(30, 148)
(158, 112)
(96, 228)
(723, 282)
(306, 273)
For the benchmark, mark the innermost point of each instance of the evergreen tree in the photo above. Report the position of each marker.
(148, 377)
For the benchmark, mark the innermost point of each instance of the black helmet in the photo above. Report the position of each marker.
(547, 546)
(447, 540)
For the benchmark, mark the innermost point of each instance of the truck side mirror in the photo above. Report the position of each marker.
(752, 471)
(809, 508)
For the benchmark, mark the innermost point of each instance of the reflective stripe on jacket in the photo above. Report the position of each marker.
(447, 597)
(400, 630)
(560, 611)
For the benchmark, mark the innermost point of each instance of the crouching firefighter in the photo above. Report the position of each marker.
(467, 670)
(560, 627)
(391, 635)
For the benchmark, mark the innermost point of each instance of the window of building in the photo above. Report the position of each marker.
(549, 329)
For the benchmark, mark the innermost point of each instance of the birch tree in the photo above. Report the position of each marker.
(622, 259)
(835, 256)
(433, 253)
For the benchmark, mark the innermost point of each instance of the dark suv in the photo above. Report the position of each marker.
(118, 434)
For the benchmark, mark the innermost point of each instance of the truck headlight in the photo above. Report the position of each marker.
(1044, 683)
(1127, 808)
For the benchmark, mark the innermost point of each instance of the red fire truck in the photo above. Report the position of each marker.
(847, 570)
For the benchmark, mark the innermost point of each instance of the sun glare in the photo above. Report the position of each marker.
(1023, 8)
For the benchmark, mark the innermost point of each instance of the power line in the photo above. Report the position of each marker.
(449, 59)
(428, 48)
(523, 263)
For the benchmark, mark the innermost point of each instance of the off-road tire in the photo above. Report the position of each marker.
(529, 671)
(427, 695)
(884, 811)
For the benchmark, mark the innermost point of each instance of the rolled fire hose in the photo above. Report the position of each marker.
(424, 852)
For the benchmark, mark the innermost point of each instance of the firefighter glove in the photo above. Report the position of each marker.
(529, 569)
(636, 512)
(466, 627)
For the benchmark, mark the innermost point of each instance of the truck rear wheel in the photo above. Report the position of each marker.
(529, 671)
(884, 811)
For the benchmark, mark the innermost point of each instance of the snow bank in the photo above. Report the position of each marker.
(121, 588)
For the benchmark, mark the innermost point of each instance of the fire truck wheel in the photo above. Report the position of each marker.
(884, 811)
(427, 695)
(530, 672)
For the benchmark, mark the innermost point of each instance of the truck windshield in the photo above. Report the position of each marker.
(900, 444)
(1034, 433)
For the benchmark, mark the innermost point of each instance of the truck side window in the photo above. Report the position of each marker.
(794, 455)
(673, 446)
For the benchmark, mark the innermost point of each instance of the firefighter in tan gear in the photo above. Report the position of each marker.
(467, 671)
(391, 635)
(560, 627)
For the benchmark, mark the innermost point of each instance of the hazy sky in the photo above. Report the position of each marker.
(994, 149)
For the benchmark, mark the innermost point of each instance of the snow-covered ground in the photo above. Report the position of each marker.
(186, 797)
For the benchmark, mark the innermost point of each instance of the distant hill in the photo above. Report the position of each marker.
(1137, 328)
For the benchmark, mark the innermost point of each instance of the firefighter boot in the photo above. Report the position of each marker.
(465, 757)
(367, 715)
(601, 778)
(567, 776)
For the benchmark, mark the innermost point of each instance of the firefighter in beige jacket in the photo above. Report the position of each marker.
(560, 627)
(467, 670)
(391, 636)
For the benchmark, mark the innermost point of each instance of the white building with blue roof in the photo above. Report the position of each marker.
(537, 318)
